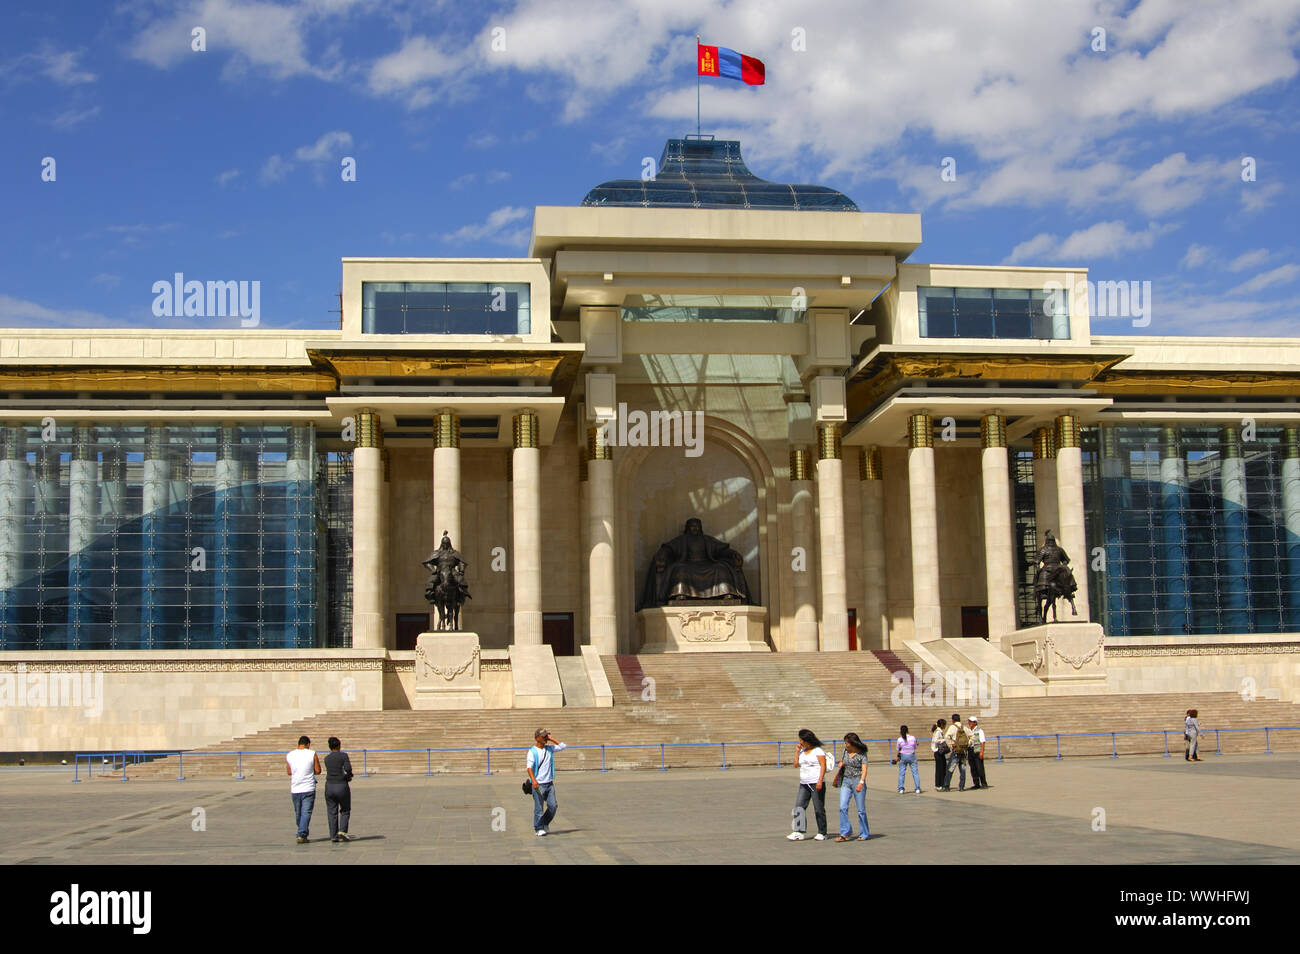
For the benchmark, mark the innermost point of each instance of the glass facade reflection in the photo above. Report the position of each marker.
(445, 308)
(992, 313)
(1192, 521)
(158, 537)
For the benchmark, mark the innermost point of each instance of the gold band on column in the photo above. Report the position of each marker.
(1291, 443)
(598, 445)
(920, 431)
(800, 463)
(828, 441)
(1169, 442)
(582, 464)
(525, 429)
(446, 429)
(993, 430)
(870, 465)
(1044, 443)
(1067, 431)
(1229, 444)
(370, 432)
(83, 447)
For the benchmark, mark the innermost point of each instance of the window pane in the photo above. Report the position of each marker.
(974, 313)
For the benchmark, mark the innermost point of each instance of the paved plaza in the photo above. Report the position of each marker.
(1225, 810)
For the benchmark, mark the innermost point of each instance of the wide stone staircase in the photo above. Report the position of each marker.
(680, 709)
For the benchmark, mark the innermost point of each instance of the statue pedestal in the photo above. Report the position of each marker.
(1070, 658)
(704, 628)
(447, 671)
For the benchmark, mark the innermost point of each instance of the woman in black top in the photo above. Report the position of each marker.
(338, 794)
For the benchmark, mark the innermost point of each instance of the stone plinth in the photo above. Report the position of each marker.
(1068, 657)
(704, 628)
(447, 671)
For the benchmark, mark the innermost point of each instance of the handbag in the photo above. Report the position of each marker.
(528, 782)
(839, 776)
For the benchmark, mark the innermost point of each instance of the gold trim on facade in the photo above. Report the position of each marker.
(871, 464)
(167, 379)
(828, 441)
(920, 431)
(369, 430)
(1169, 442)
(993, 431)
(1245, 384)
(525, 429)
(1229, 443)
(446, 429)
(494, 364)
(1045, 443)
(800, 463)
(1067, 431)
(1291, 443)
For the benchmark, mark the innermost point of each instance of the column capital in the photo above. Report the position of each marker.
(446, 429)
(993, 431)
(920, 431)
(1291, 443)
(1067, 431)
(1044, 443)
(370, 432)
(1230, 443)
(828, 441)
(598, 445)
(871, 464)
(1109, 441)
(800, 463)
(525, 428)
(1169, 441)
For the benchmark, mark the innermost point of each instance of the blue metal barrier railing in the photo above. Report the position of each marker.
(110, 760)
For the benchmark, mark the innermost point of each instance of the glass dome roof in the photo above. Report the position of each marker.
(710, 174)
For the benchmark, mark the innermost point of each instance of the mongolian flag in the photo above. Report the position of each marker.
(720, 61)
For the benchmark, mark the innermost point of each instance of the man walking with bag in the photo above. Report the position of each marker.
(540, 765)
(959, 744)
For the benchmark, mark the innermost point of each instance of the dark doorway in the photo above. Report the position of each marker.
(557, 632)
(409, 628)
(975, 621)
(853, 629)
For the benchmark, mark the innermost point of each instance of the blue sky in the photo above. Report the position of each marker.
(225, 164)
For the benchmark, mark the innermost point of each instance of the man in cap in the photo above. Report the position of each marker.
(976, 754)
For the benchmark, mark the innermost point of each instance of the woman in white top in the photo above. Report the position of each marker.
(812, 785)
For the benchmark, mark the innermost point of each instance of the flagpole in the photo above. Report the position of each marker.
(697, 86)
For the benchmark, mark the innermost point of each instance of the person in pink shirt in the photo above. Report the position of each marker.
(906, 746)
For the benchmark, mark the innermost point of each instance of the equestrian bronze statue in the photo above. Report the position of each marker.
(1054, 579)
(446, 590)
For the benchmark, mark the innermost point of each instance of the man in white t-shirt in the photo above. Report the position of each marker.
(302, 765)
(976, 755)
(540, 766)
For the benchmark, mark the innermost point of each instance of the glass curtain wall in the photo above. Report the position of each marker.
(158, 537)
(1200, 529)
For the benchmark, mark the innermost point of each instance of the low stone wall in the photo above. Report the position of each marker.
(1266, 666)
(151, 699)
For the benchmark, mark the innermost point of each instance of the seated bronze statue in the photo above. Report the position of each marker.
(694, 568)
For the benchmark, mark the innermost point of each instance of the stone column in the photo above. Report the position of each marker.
(446, 478)
(999, 576)
(602, 589)
(804, 639)
(155, 503)
(13, 524)
(1174, 611)
(927, 616)
(1116, 489)
(83, 510)
(834, 571)
(1236, 569)
(367, 533)
(584, 529)
(873, 631)
(1045, 512)
(526, 491)
(1291, 521)
(1069, 497)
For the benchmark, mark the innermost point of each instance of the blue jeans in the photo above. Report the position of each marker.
(543, 794)
(303, 803)
(849, 790)
(903, 762)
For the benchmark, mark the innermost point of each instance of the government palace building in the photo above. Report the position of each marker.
(228, 526)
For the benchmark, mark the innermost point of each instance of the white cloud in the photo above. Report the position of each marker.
(1247, 260)
(1197, 255)
(490, 177)
(275, 169)
(60, 66)
(1100, 241)
(107, 280)
(408, 71)
(1282, 275)
(497, 227)
(70, 118)
(18, 313)
(1256, 197)
(225, 178)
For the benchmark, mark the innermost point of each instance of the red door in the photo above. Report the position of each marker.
(557, 632)
(409, 628)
